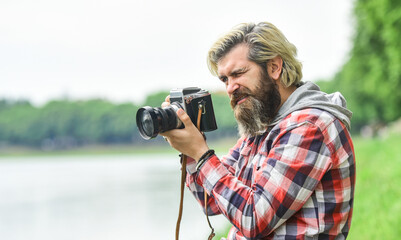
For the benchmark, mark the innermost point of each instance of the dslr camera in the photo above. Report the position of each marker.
(152, 121)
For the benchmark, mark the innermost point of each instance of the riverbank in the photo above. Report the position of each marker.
(19, 151)
(222, 145)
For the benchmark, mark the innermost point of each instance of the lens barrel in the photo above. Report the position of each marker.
(152, 121)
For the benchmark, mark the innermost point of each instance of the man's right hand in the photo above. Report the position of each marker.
(188, 140)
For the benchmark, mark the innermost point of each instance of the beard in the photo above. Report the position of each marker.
(259, 109)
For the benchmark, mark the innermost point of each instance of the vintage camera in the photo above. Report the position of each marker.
(152, 121)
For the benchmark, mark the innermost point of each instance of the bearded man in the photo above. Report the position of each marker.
(291, 174)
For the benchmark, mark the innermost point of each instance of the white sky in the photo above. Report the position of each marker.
(122, 50)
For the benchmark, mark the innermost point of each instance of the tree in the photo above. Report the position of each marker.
(371, 79)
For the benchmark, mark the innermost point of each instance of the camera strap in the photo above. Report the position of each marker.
(183, 177)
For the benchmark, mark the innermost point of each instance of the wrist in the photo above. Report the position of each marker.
(200, 153)
(204, 158)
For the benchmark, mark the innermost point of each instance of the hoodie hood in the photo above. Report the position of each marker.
(308, 95)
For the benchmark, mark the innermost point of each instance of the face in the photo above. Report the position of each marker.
(236, 71)
(254, 94)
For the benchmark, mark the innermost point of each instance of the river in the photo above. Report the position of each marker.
(97, 198)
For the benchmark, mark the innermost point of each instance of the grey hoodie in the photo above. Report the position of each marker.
(308, 95)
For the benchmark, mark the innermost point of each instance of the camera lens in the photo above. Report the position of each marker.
(152, 121)
(147, 124)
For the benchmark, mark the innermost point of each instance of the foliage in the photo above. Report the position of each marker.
(371, 78)
(370, 81)
(63, 124)
(156, 99)
(227, 126)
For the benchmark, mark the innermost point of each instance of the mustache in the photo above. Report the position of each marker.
(238, 95)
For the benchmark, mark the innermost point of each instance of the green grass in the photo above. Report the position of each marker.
(377, 209)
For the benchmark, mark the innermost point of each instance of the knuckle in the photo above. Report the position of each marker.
(186, 119)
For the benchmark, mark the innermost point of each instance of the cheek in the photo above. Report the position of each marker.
(252, 84)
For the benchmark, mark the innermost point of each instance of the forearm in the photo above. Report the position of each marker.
(227, 161)
(234, 199)
(197, 190)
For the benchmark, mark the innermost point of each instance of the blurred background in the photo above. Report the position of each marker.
(74, 73)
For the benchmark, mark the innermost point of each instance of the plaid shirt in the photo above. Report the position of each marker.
(295, 181)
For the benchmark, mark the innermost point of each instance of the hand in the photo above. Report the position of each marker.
(166, 102)
(188, 140)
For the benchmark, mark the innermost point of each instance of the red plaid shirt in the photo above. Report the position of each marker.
(295, 181)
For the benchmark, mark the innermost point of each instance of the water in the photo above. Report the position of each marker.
(97, 197)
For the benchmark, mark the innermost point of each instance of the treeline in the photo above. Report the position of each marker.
(62, 124)
(371, 78)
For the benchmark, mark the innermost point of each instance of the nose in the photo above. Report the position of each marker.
(232, 85)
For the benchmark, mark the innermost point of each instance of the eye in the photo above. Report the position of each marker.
(239, 73)
(224, 79)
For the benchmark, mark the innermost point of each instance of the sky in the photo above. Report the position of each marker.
(123, 50)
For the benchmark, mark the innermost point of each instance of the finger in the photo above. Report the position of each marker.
(165, 134)
(184, 117)
(170, 133)
(165, 104)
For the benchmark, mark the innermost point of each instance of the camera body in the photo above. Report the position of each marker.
(190, 99)
(152, 121)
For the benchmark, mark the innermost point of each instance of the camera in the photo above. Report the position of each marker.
(152, 121)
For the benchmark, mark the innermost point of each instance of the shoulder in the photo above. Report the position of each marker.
(312, 116)
(309, 121)
(310, 131)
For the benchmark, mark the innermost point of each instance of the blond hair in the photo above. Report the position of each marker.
(265, 42)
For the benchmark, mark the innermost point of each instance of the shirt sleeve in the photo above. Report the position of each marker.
(288, 174)
(228, 162)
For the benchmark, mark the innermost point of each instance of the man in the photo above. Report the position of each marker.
(291, 175)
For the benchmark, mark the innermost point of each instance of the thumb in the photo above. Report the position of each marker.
(184, 117)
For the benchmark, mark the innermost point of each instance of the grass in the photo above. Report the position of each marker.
(377, 209)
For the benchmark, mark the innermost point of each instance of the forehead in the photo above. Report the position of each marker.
(235, 58)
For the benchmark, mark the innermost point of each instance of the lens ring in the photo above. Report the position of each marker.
(164, 119)
(152, 121)
(139, 122)
(177, 106)
(147, 123)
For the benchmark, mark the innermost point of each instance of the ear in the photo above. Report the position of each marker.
(274, 67)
